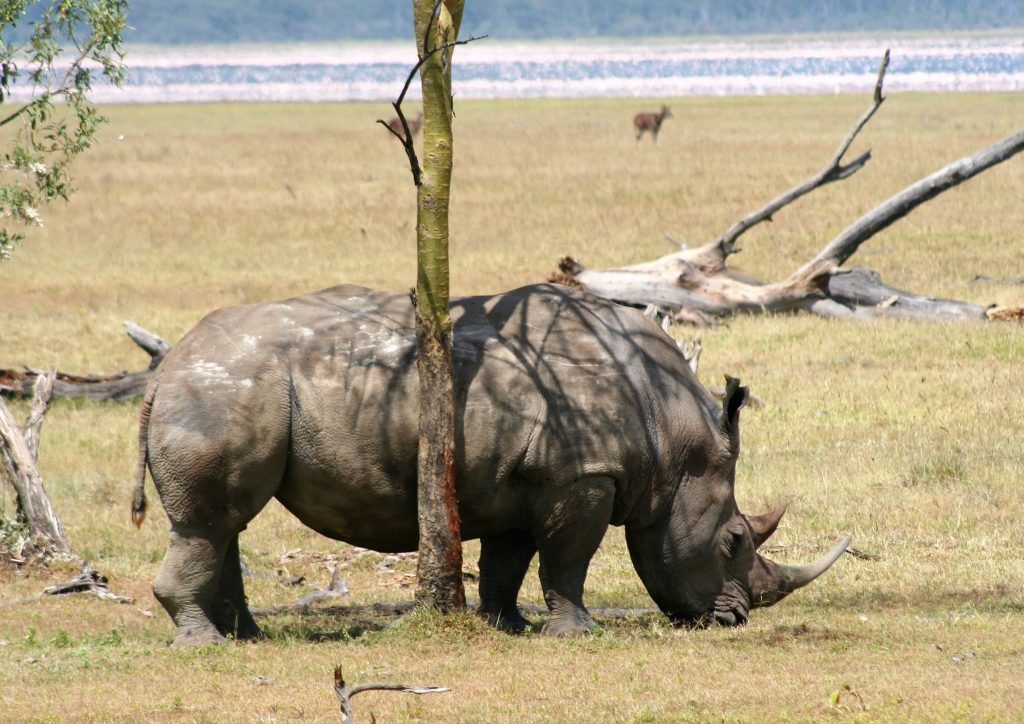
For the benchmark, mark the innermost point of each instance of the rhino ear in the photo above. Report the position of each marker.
(736, 397)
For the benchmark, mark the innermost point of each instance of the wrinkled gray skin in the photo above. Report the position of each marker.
(572, 413)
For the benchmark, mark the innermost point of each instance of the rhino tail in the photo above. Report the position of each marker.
(139, 498)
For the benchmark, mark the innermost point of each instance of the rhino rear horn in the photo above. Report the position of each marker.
(736, 398)
(762, 526)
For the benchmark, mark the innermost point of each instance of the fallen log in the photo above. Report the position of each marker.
(119, 386)
(695, 285)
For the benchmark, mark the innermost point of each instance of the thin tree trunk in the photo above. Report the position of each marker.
(439, 571)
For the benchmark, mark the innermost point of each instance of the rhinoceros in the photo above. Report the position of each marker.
(572, 414)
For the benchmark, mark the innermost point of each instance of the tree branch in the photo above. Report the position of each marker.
(406, 136)
(62, 88)
(895, 208)
(344, 692)
(861, 294)
(725, 245)
(120, 386)
(155, 347)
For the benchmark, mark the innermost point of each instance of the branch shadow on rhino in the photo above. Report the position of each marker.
(489, 354)
(551, 335)
(549, 394)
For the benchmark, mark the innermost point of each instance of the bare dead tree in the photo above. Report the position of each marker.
(696, 285)
(19, 449)
(344, 692)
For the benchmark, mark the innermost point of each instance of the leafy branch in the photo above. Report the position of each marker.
(56, 59)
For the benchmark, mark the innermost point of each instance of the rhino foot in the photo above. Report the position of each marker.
(574, 623)
(197, 636)
(512, 622)
(237, 623)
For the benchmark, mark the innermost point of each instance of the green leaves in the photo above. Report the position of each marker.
(56, 58)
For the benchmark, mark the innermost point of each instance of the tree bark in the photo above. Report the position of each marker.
(439, 570)
(19, 465)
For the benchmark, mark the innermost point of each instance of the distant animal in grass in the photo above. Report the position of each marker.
(415, 124)
(650, 122)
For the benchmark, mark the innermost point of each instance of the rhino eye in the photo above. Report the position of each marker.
(732, 540)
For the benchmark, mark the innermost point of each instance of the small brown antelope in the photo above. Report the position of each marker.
(395, 124)
(650, 122)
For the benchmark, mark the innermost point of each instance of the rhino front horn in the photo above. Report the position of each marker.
(800, 576)
(778, 581)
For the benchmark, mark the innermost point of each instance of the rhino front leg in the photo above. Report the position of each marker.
(187, 584)
(571, 521)
(231, 610)
(504, 559)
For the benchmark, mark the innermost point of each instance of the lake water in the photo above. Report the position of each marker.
(494, 69)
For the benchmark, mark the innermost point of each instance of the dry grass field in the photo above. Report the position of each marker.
(907, 435)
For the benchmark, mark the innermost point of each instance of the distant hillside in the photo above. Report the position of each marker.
(220, 21)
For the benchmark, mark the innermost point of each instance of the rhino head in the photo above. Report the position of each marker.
(700, 561)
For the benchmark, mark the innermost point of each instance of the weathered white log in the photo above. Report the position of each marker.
(697, 289)
(863, 294)
(695, 286)
(691, 294)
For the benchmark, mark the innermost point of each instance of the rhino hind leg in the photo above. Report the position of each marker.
(214, 475)
(187, 585)
(569, 525)
(504, 560)
(231, 613)
(200, 581)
